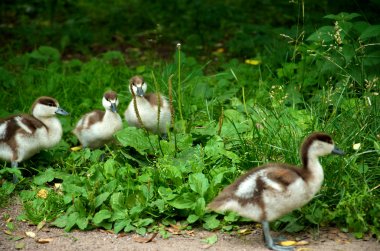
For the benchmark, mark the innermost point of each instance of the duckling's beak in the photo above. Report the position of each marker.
(140, 91)
(337, 151)
(113, 107)
(61, 111)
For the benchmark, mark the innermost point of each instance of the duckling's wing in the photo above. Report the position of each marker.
(152, 98)
(250, 186)
(89, 119)
(20, 124)
(282, 175)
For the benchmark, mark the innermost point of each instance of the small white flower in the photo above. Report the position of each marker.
(356, 146)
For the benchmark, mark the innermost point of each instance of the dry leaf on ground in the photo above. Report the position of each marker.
(44, 240)
(30, 234)
(140, 239)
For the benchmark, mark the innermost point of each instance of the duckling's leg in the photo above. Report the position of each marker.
(269, 241)
(14, 165)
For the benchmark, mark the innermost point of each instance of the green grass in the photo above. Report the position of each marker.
(231, 119)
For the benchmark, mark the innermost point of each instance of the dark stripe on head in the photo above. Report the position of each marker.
(47, 101)
(110, 95)
(309, 140)
(136, 80)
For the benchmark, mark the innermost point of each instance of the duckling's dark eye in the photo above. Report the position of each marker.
(50, 104)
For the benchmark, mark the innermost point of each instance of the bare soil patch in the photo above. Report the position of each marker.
(58, 240)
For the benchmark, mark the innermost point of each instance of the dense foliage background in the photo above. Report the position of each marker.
(251, 80)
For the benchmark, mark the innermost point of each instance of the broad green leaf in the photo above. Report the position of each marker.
(145, 178)
(110, 187)
(343, 16)
(192, 218)
(100, 216)
(45, 53)
(323, 34)
(166, 193)
(141, 231)
(200, 206)
(110, 168)
(136, 210)
(71, 221)
(117, 201)
(101, 198)
(44, 177)
(119, 214)
(231, 217)
(135, 138)
(147, 191)
(72, 189)
(129, 227)
(144, 222)
(372, 31)
(60, 222)
(211, 222)
(120, 224)
(7, 188)
(214, 146)
(184, 201)
(232, 156)
(211, 240)
(198, 183)
(113, 55)
(160, 204)
(82, 223)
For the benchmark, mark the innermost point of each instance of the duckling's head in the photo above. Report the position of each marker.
(137, 86)
(47, 107)
(318, 144)
(110, 101)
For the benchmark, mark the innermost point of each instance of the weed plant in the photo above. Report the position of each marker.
(232, 120)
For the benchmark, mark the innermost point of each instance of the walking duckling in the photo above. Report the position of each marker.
(147, 108)
(97, 128)
(22, 136)
(268, 192)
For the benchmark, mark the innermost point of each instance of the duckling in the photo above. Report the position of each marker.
(268, 192)
(96, 128)
(147, 108)
(22, 136)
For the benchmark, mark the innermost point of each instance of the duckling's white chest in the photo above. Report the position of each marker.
(148, 114)
(50, 135)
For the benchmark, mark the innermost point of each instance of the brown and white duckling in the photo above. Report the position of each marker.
(22, 136)
(268, 192)
(147, 107)
(96, 128)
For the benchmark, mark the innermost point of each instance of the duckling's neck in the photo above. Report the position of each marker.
(110, 115)
(315, 173)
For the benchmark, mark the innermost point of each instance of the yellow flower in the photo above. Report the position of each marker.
(253, 61)
(76, 148)
(43, 193)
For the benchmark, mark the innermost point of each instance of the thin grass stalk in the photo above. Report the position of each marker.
(136, 109)
(156, 86)
(159, 101)
(179, 90)
(172, 113)
(220, 122)
(170, 94)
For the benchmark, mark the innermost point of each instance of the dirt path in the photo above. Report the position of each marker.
(58, 240)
